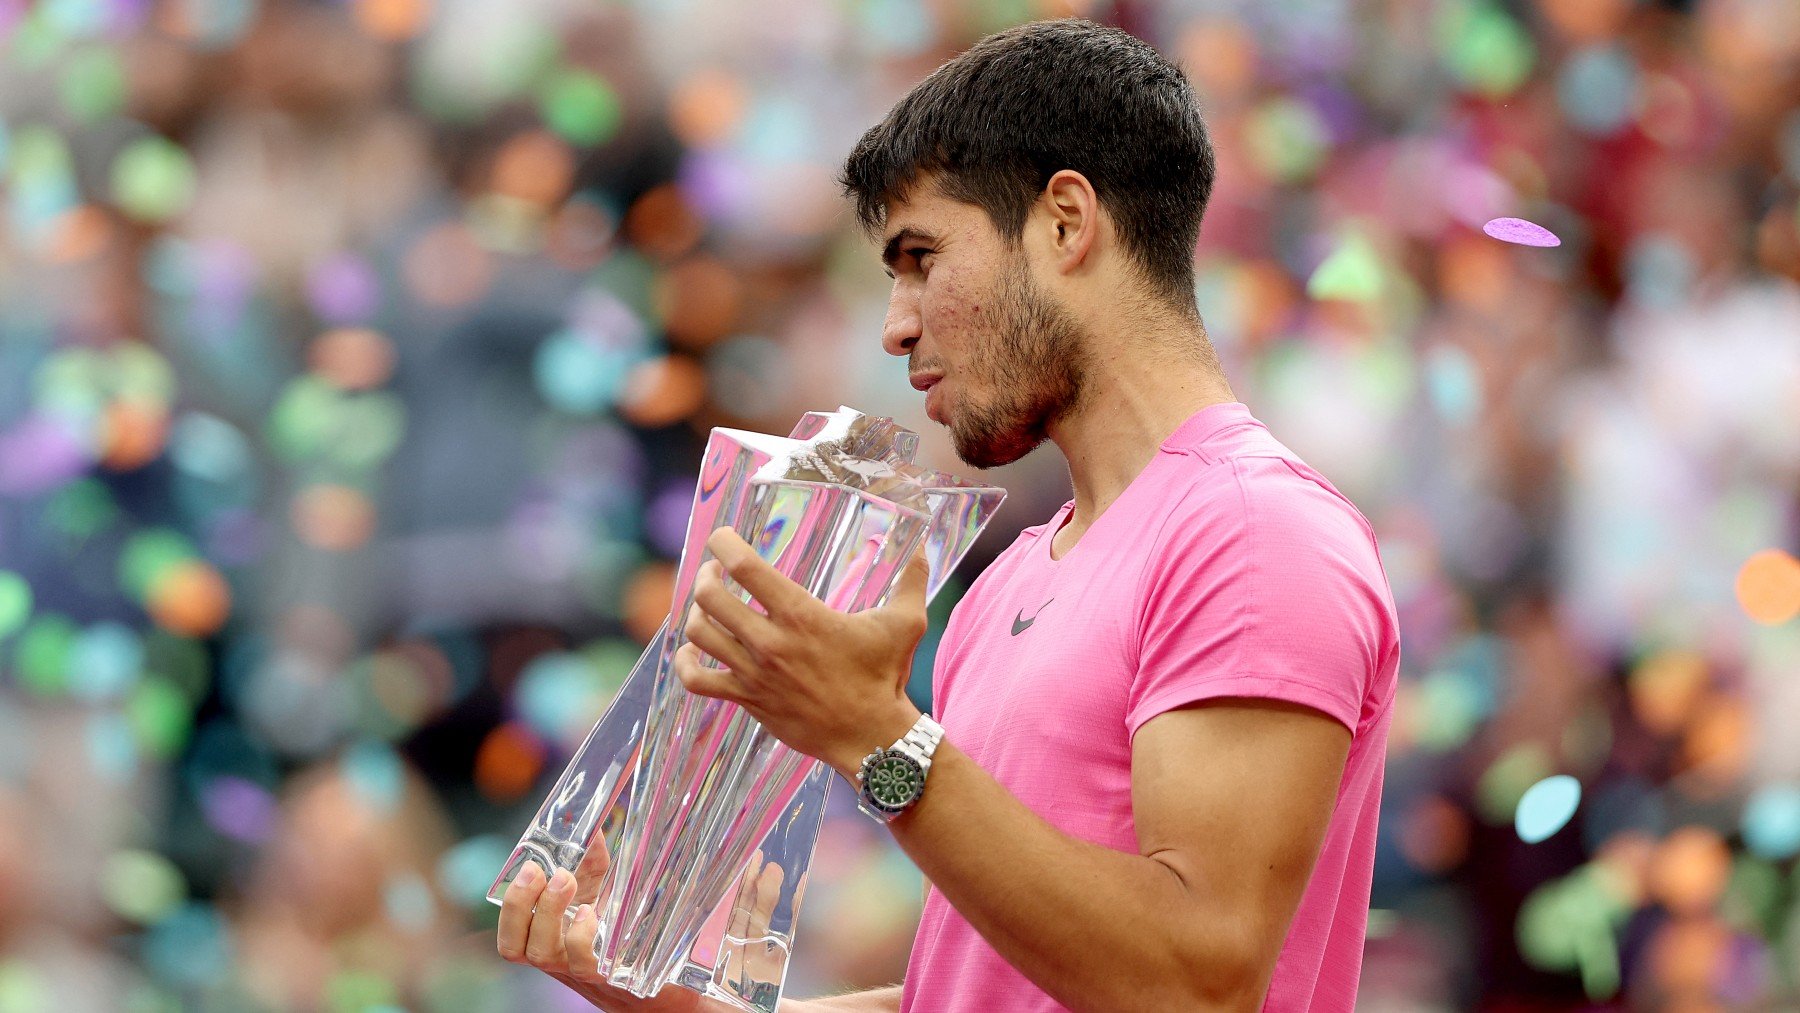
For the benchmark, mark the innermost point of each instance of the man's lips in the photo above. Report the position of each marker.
(928, 382)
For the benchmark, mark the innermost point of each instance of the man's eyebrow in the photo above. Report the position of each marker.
(891, 252)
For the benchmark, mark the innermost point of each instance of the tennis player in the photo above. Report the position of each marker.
(1162, 714)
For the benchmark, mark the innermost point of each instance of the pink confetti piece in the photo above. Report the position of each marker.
(1518, 230)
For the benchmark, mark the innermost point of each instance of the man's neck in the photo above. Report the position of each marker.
(1131, 403)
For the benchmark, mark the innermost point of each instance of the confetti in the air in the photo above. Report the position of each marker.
(1518, 230)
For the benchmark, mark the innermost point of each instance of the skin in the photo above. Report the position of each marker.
(1056, 336)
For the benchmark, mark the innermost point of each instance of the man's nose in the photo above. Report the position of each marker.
(900, 331)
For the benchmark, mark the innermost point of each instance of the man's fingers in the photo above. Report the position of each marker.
(713, 682)
(591, 872)
(515, 912)
(768, 893)
(707, 635)
(579, 943)
(742, 902)
(544, 943)
(778, 595)
(723, 606)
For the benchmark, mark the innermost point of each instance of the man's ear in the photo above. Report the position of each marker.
(1072, 219)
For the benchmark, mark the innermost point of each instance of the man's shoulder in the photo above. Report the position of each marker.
(1265, 484)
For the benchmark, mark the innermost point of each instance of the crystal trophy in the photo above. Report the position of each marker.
(709, 820)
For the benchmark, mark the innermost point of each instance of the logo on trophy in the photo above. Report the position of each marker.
(709, 820)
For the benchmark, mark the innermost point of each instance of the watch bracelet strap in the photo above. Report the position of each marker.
(921, 740)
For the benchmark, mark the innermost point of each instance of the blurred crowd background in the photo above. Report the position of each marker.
(356, 355)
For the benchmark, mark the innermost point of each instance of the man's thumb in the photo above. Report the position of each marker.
(916, 577)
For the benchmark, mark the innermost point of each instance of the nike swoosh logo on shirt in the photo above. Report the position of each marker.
(1021, 624)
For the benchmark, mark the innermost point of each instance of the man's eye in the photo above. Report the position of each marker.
(918, 252)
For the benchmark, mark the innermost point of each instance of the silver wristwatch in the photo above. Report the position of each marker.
(892, 779)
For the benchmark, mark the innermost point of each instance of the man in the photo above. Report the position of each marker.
(1165, 711)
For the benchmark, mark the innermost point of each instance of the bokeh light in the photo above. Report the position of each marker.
(392, 20)
(534, 167)
(1768, 586)
(153, 179)
(142, 886)
(468, 868)
(1505, 783)
(42, 654)
(190, 597)
(1598, 89)
(238, 808)
(699, 301)
(1352, 272)
(352, 358)
(647, 600)
(1666, 688)
(343, 289)
(707, 106)
(663, 224)
(581, 107)
(447, 267)
(104, 661)
(376, 775)
(1434, 835)
(1484, 47)
(663, 391)
(1690, 870)
(191, 947)
(15, 602)
(582, 373)
(508, 763)
(335, 518)
(1288, 138)
(93, 85)
(161, 716)
(1771, 824)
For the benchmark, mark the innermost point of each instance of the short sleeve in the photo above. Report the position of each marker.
(1268, 585)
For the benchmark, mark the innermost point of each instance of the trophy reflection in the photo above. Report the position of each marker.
(709, 820)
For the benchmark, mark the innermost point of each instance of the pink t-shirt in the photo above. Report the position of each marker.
(1228, 568)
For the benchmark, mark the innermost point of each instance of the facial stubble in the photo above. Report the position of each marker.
(1033, 367)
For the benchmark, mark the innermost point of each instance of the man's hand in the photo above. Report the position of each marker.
(829, 684)
(536, 929)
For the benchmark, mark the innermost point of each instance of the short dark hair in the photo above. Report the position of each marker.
(996, 122)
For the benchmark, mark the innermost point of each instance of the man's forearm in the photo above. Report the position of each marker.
(677, 1000)
(1097, 929)
(878, 1000)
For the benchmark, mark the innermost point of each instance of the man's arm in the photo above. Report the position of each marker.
(877, 1000)
(1231, 799)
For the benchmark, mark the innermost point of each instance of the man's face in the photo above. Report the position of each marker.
(1001, 358)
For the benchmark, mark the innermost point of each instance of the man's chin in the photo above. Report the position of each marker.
(983, 455)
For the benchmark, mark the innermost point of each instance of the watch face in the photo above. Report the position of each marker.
(894, 780)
